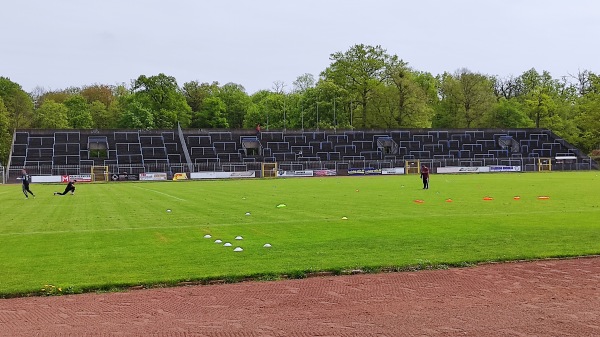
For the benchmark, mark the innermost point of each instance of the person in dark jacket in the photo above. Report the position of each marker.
(69, 188)
(26, 179)
(425, 176)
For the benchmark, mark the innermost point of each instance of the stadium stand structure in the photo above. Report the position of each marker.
(62, 152)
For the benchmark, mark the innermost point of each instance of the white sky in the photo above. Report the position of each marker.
(62, 43)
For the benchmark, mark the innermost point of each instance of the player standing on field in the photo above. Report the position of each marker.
(25, 179)
(425, 176)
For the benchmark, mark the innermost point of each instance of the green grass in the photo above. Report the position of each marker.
(116, 235)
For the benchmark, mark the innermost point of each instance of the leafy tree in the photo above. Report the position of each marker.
(195, 93)
(5, 133)
(257, 113)
(161, 95)
(508, 113)
(213, 113)
(359, 71)
(58, 96)
(102, 117)
(465, 99)
(304, 82)
(99, 93)
(271, 107)
(413, 94)
(253, 117)
(52, 115)
(507, 87)
(17, 102)
(588, 121)
(78, 114)
(135, 115)
(291, 110)
(236, 102)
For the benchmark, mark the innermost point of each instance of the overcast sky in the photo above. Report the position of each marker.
(62, 43)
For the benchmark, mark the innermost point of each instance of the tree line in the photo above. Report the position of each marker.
(362, 88)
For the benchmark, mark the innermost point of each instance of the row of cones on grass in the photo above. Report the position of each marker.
(419, 201)
(228, 244)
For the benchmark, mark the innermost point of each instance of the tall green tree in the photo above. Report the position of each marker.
(268, 110)
(161, 95)
(101, 115)
(195, 93)
(413, 94)
(5, 133)
(78, 113)
(507, 113)
(99, 93)
(466, 98)
(58, 96)
(52, 115)
(134, 114)
(213, 113)
(17, 102)
(587, 119)
(236, 102)
(359, 71)
(304, 82)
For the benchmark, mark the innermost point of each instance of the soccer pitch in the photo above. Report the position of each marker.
(116, 235)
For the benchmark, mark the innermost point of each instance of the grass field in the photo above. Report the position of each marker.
(116, 235)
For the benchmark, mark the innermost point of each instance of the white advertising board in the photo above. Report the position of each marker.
(306, 173)
(460, 169)
(505, 168)
(394, 170)
(222, 175)
(46, 179)
(478, 169)
(153, 176)
(78, 177)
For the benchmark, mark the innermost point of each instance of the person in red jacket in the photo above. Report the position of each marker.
(425, 176)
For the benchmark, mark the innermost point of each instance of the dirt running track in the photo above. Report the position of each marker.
(542, 298)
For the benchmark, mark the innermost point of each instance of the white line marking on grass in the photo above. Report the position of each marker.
(282, 222)
(98, 230)
(138, 228)
(159, 192)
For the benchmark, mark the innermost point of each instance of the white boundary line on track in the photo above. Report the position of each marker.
(159, 192)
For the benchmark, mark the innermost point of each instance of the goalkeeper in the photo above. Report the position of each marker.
(70, 188)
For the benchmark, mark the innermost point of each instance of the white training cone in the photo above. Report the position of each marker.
(207, 236)
(344, 218)
(238, 249)
(168, 211)
(267, 245)
(218, 241)
(239, 237)
(227, 244)
(247, 213)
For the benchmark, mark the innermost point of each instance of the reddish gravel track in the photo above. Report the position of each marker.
(541, 298)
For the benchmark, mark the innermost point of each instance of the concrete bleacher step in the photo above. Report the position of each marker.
(213, 149)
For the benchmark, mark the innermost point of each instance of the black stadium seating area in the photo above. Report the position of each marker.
(61, 152)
